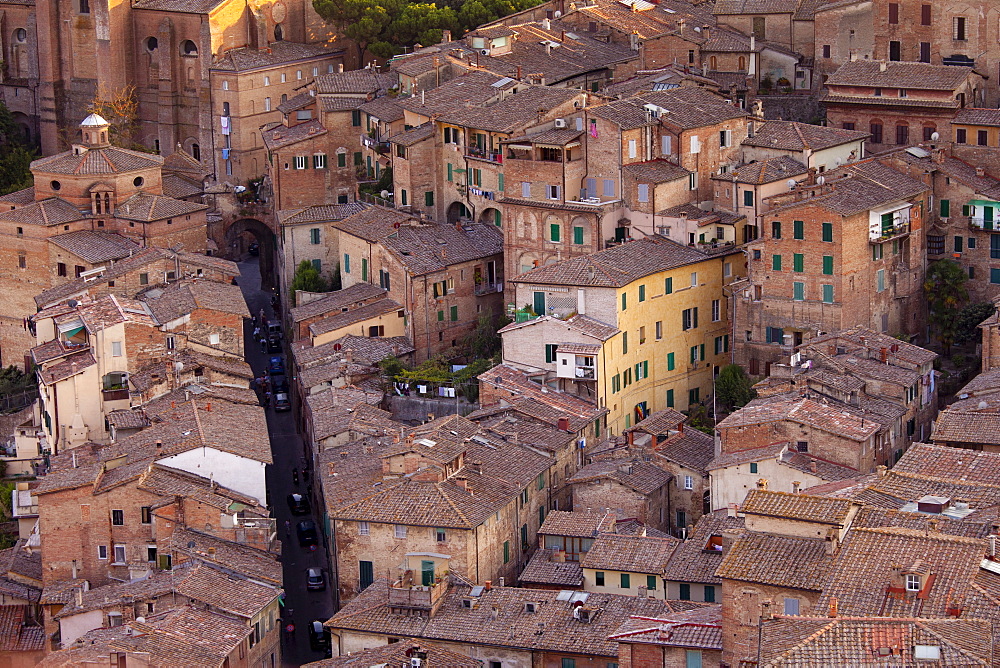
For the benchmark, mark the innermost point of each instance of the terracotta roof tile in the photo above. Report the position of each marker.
(799, 563)
(899, 75)
(764, 171)
(795, 136)
(639, 476)
(354, 315)
(319, 213)
(973, 116)
(282, 135)
(697, 558)
(107, 160)
(398, 654)
(52, 211)
(700, 628)
(359, 82)
(801, 507)
(686, 108)
(95, 246)
(542, 570)
(635, 554)
(577, 523)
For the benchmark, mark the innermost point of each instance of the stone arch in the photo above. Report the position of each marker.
(457, 211)
(265, 239)
(491, 216)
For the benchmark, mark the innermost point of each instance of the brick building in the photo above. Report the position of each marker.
(899, 103)
(444, 276)
(633, 489)
(689, 575)
(846, 252)
(308, 234)
(629, 565)
(683, 639)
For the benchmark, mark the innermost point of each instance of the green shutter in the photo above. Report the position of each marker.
(347, 263)
(645, 368)
(578, 235)
(701, 351)
(364, 269)
(945, 208)
(828, 265)
(554, 232)
(429, 198)
(670, 398)
(798, 291)
(798, 261)
(506, 551)
(798, 229)
(670, 362)
(497, 218)
(776, 262)
(454, 313)
(440, 316)
(642, 293)
(828, 294)
(500, 182)
(624, 301)
(669, 285)
(626, 579)
(341, 160)
(827, 231)
(357, 159)
(451, 172)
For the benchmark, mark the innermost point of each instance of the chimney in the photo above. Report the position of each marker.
(563, 424)
(680, 428)
(75, 569)
(993, 550)
(832, 609)
(340, 68)
(882, 66)
(78, 594)
(518, 72)
(494, 612)
(445, 36)
(762, 483)
(208, 407)
(939, 156)
(546, 24)
(980, 171)
(159, 445)
(706, 31)
(562, 37)
(732, 509)
(765, 609)
(211, 551)
(548, 48)
(488, 585)
(812, 465)
(881, 470)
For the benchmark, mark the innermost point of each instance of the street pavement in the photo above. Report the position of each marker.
(288, 452)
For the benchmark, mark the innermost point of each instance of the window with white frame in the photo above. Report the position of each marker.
(267, 81)
(694, 279)
(213, 339)
(643, 192)
(631, 148)
(300, 161)
(552, 192)
(116, 348)
(400, 530)
(912, 583)
(364, 529)
(688, 482)
(319, 161)
(102, 551)
(283, 78)
(525, 189)
(716, 310)
(666, 145)
(298, 75)
(267, 104)
(119, 554)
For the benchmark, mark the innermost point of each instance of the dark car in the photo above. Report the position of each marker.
(282, 402)
(315, 580)
(274, 344)
(254, 248)
(308, 536)
(276, 365)
(298, 504)
(319, 641)
(279, 383)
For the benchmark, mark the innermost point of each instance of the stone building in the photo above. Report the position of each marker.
(832, 256)
(632, 489)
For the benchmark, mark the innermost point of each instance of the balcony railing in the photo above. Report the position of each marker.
(489, 288)
(982, 224)
(889, 232)
(484, 154)
(115, 395)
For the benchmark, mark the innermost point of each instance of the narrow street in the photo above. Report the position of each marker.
(288, 453)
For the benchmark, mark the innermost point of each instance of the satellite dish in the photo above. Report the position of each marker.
(821, 180)
(983, 405)
(935, 136)
(838, 162)
(384, 194)
(178, 366)
(72, 303)
(791, 184)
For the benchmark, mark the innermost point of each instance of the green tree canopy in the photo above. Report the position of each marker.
(308, 278)
(733, 387)
(969, 319)
(384, 27)
(15, 155)
(944, 288)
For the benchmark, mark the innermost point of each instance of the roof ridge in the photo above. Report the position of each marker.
(945, 641)
(920, 533)
(811, 637)
(451, 503)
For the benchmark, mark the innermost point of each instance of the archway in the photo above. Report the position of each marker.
(457, 211)
(236, 234)
(491, 216)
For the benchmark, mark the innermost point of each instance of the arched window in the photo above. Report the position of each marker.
(279, 32)
(196, 152)
(742, 63)
(152, 44)
(21, 35)
(189, 48)
(107, 203)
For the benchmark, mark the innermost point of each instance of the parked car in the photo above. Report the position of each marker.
(281, 402)
(315, 580)
(276, 365)
(274, 328)
(298, 504)
(319, 640)
(279, 383)
(308, 536)
(274, 344)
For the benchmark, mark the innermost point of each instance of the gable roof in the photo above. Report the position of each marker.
(636, 475)
(801, 507)
(899, 75)
(795, 136)
(634, 554)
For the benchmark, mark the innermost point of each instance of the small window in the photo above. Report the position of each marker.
(400, 530)
(102, 551)
(118, 518)
(146, 513)
(364, 529)
(625, 581)
(688, 482)
(912, 583)
(791, 606)
(116, 348)
(753, 467)
(119, 554)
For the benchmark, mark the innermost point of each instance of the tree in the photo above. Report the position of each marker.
(307, 278)
(15, 155)
(120, 108)
(969, 319)
(733, 387)
(944, 288)
(484, 342)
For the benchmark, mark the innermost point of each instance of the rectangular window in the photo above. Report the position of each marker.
(689, 318)
(608, 188)
(685, 592)
(402, 197)
(319, 160)
(826, 50)
(643, 192)
(828, 265)
(119, 554)
(895, 51)
(550, 352)
(347, 263)
(300, 162)
(102, 551)
(454, 313)
(959, 241)
(568, 663)
(876, 131)
(960, 136)
(747, 198)
(945, 208)
(925, 57)
(364, 269)
(688, 482)
(146, 514)
(651, 582)
(659, 330)
(827, 231)
(670, 398)
(827, 294)
(599, 578)
(554, 232)
(526, 189)
(451, 172)
(776, 262)
(364, 529)
(798, 291)
(716, 310)
(709, 593)
(798, 261)
(798, 229)
(116, 348)
(791, 606)
(642, 293)
(982, 138)
(666, 145)
(668, 285)
(631, 148)
(692, 658)
(625, 581)
(893, 12)
(500, 182)
(670, 362)
(578, 235)
(506, 551)
(958, 29)
(880, 280)
(429, 198)
(995, 276)
(624, 301)
(925, 15)
(118, 518)
(399, 530)
(776, 229)
(366, 572)
(314, 236)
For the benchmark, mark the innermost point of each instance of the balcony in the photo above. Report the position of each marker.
(115, 394)
(489, 288)
(484, 154)
(416, 597)
(888, 232)
(982, 224)
(585, 373)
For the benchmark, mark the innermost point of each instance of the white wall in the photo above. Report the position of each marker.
(74, 626)
(238, 473)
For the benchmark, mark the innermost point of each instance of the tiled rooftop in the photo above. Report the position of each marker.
(909, 75)
(577, 523)
(697, 558)
(795, 136)
(801, 507)
(799, 563)
(632, 554)
(644, 478)
(542, 570)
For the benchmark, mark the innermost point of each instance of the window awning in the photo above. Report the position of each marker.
(71, 332)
